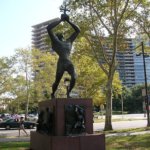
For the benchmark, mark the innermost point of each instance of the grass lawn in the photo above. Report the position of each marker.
(14, 146)
(138, 142)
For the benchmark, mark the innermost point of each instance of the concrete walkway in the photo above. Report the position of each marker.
(27, 139)
(128, 133)
(15, 139)
(119, 125)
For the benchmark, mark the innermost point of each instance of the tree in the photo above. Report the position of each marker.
(134, 103)
(122, 97)
(23, 57)
(44, 68)
(91, 79)
(132, 99)
(142, 19)
(19, 101)
(6, 72)
(104, 25)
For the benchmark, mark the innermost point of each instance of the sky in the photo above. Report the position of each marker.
(17, 18)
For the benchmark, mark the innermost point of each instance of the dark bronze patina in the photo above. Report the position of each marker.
(63, 48)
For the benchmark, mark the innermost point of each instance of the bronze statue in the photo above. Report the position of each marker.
(63, 48)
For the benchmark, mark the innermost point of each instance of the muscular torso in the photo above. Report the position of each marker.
(62, 48)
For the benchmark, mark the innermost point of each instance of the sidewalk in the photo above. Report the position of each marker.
(15, 139)
(27, 139)
(120, 125)
(128, 133)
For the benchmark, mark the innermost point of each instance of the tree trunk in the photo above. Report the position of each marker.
(108, 116)
(27, 92)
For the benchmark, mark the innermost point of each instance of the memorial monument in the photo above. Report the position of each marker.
(65, 123)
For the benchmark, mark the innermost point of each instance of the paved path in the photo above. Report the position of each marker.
(122, 125)
(27, 139)
(128, 133)
(127, 116)
(12, 135)
(15, 139)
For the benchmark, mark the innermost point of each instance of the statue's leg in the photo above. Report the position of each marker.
(56, 83)
(72, 73)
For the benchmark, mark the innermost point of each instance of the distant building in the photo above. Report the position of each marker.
(126, 64)
(139, 67)
(39, 34)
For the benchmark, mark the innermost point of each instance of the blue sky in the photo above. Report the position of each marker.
(16, 19)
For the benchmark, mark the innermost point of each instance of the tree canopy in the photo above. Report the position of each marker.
(105, 25)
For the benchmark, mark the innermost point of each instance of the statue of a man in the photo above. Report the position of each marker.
(63, 48)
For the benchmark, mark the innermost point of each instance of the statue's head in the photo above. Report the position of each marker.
(60, 36)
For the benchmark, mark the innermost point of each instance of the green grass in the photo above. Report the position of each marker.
(14, 146)
(136, 142)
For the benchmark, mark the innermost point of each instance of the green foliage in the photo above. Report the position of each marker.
(35, 75)
(18, 86)
(134, 103)
(142, 19)
(44, 68)
(44, 65)
(6, 71)
(91, 81)
(132, 100)
(104, 25)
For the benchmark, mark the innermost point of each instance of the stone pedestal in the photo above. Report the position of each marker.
(80, 142)
(56, 139)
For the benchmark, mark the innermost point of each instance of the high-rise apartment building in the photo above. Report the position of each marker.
(139, 65)
(139, 69)
(126, 64)
(39, 34)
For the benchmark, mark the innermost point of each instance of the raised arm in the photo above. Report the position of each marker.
(52, 25)
(65, 17)
(75, 34)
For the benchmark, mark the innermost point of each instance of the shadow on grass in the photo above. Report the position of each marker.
(136, 142)
(14, 146)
